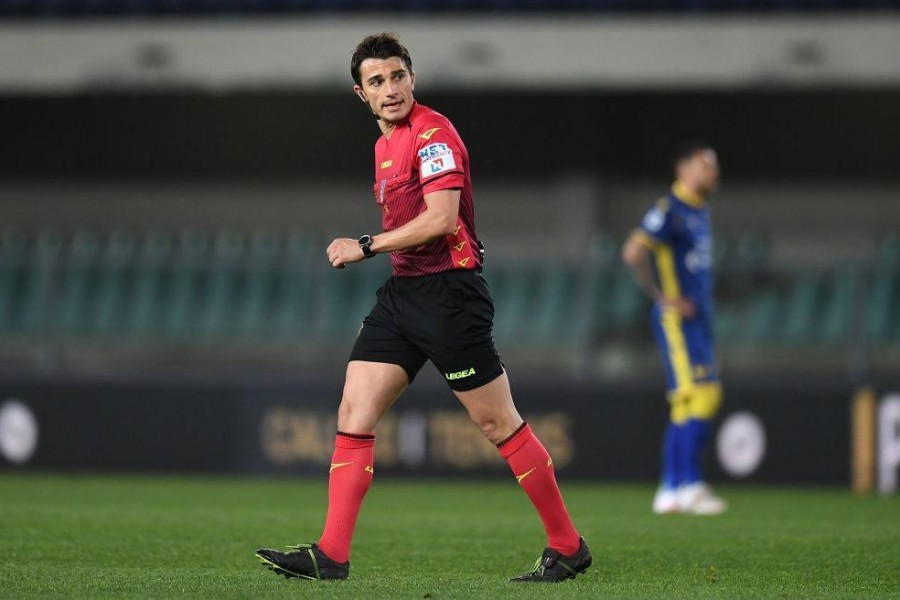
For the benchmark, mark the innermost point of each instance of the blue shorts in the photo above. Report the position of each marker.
(687, 348)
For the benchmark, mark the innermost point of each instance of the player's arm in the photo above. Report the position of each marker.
(436, 221)
(636, 253)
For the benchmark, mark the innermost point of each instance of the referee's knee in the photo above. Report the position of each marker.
(355, 420)
(487, 424)
(495, 428)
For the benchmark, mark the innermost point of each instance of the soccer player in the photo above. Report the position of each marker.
(677, 234)
(436, 306)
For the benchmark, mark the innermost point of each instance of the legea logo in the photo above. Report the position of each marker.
(460, 374)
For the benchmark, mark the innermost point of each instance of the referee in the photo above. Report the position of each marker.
(436, 306)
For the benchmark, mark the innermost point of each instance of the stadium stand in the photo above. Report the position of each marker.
(266, 285)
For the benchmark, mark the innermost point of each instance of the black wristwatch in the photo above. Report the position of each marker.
(365, 244)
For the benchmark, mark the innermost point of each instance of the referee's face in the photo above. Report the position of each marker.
(387, 87)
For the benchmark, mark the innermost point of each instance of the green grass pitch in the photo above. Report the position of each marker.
(154, 537)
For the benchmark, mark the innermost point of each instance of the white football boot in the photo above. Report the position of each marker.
(698, 499)
(665, 502)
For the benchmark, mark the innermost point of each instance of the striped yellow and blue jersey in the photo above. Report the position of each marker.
(678, 231)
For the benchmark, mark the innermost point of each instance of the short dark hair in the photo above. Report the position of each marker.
(686, 149)
(378, 45)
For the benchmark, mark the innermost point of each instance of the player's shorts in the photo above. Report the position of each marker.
(687, 348)
(446, 318)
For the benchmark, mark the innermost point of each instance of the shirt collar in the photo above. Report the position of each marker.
(408, 119)
(685, 195)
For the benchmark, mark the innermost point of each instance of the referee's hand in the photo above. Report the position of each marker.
(343, 251)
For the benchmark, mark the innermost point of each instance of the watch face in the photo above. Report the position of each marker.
(365, 240)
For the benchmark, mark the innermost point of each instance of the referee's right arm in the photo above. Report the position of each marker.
(436, 221)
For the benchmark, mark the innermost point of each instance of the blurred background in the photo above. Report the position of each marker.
(171, 171)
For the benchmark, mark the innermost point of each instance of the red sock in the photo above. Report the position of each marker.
(349, 479)
(531, 465)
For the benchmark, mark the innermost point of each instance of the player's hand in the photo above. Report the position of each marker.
(683, 306)
(344, 251)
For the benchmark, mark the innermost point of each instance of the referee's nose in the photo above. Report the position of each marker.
(391, 87)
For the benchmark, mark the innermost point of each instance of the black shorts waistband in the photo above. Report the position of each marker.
(451, 274)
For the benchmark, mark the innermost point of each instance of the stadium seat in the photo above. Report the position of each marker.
(602, 256)
(838, 309)
(627, 302)
(115, 279)
(510, 286)
(38, 287)
(727, 324)
(880, 310)
(802, 317)
(13, 252)
(751, 251)
(762, 316)
(147, 304)
(557, 303)
(603, 250)
(373, 274)
(188, 283)
(78, 270)
(260, 266)
(347, 296)
(294, 288)
(223, 294)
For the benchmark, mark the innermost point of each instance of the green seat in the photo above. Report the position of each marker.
(603, 250)
(224, 294)
(597, 296)
(762, 318)
(115, 278)
(152, 273)
(727, 324)
(511, 284)
(13, 256)
(627, 303)
(557, 304)
(751, 251)
(838, 311)
(78, 274)
(259, 276)
(893, 336)
(882, 322)
(879, 305)
(722, 253)
(372, 275)
(801, 317)
(346, 296)
(188, 283)
(294, 288)
(38, 308)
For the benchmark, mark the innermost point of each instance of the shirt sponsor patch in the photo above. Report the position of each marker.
(654, 220)
(436, 158)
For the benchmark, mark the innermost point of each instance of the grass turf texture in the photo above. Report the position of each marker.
(118, 537)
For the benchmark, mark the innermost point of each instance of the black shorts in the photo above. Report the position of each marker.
(446, 317)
